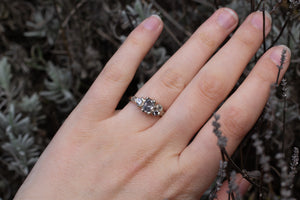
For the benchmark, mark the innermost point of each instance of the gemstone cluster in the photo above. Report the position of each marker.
(148, 105)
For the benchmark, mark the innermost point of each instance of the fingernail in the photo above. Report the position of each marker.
(227, 18)
(257, 20)
(152, 22)
(280, 54)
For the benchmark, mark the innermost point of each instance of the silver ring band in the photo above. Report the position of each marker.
(148, 105)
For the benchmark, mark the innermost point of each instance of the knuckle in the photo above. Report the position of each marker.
(246, 38)
(172, 80)
(206, 39)
(212, 86)
(234, 122)
(267, 73)
(113, 73)
(134, 39)
(83, 136)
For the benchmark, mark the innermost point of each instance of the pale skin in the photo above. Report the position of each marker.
(101, 153)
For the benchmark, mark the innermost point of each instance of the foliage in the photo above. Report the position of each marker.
(52, 50)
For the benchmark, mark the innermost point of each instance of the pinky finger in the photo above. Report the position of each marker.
(243, 186)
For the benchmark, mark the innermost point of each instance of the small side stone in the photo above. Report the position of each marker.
(156, 113)
(157, 110)
(139, 102)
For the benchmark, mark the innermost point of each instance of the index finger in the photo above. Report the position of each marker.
(107, 90)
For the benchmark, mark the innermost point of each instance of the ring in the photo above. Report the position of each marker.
(148, 105)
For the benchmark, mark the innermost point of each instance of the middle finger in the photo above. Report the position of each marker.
(172, 78)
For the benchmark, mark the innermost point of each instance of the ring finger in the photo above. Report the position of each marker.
(213, 83)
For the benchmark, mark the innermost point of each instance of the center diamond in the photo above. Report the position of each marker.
(148, 106)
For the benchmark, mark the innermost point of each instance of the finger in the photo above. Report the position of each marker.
(242, 184)
(105, 93)
(172, 78)
(213, 83)
(238, 114)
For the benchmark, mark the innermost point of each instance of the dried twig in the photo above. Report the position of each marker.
(73, 11)
(205, 3)
(107, 37)
(252, 5)
(281, 32)
(170, 18)
(284, 95)
(217, 4)
(282, 60)
(172, 35)
(239, 170)
(258, 5)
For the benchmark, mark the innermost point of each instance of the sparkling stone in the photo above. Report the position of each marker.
(139, 101)
(159, 107)
(157, 110)
(156, 113)
(148, 106)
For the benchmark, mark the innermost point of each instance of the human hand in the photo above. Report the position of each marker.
(100, 153)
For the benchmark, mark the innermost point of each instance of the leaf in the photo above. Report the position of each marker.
(21, 153)
(31, 104)
(58, 87)
(5, 74)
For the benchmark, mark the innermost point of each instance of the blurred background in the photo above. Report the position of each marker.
(52, 50)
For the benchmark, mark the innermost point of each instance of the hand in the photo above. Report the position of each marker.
(100, 153)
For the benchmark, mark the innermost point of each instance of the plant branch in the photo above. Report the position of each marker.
(281, 32)
(168, 30)
(170, 18)
(239, 170)
(72, 13)
(107, 37)
(217, 4)
(258, 5)
(252, 5)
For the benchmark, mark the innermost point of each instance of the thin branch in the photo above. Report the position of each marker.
(278, 75)
(258, 5)
(205, 3)
(284, 94)
(260, 189)
(232, 196)
(274, 8)
(61, 32)
(252, 5)
(172, 35)
(71, 14)
(107, 37)
(129, 19)
(281, 32)
(170, 18)
(295, 60)
(284, 124)
(239, 170)
(217, 4)
(56, 10)
(282, 59)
